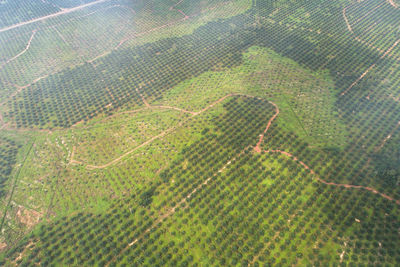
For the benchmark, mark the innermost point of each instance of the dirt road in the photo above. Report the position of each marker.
(258, 146)
(62, 12)
(393, 3)
(331, 183)
(23, 51)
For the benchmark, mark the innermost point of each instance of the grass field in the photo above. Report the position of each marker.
(200, 133)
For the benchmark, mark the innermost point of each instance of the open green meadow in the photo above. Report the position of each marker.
(200, 133)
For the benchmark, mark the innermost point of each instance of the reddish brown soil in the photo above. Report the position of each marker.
(258, 146)
(391, 2)
(330, 183)
(257, 149)
(89, 166)
(363, 41)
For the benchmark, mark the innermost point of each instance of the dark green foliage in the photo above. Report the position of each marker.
(387, 162)
(246, 208)
(81, 93)
(146, 197)
(8, 153)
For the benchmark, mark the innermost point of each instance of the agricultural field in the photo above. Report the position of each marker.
(200, 133)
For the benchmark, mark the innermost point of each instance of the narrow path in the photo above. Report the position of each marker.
(116, 160)
(370, 68)
(72, 160)
(91, 167)
(369, 12)
(391, 2)
(346, 20)
(330, 183)
(2, 124)
(185, 16)
(162, 26)
(387, 138)
(20, 88)
(363, 42)
(257, 148)
(174, 108)
(183, 200)
(54, 5)
(122, 41)
(172, 210)
(23, 51)
(343, 252)
(266, 246)
(145, 32)
(358, 79)
(62, 12)
(355, 36)
(174, 5)
(180, 11)
(142, 97)
(61, 36)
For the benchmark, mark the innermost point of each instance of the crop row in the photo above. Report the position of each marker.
(8, 153)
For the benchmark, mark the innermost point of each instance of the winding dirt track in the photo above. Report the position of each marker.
(257, 149)
(62, 12)
(258, 146)
(330, 183)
